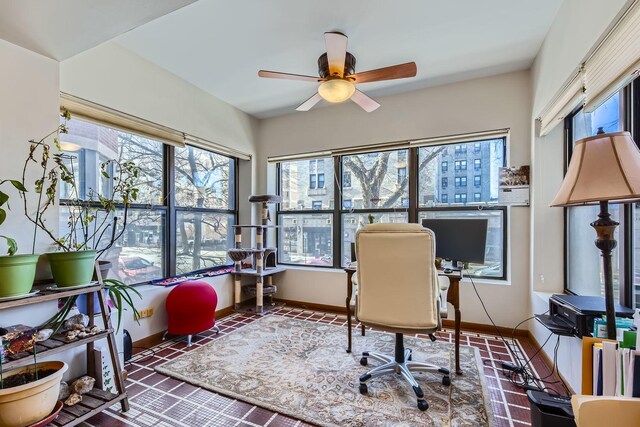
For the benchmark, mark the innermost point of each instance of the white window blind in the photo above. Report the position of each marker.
(465, 137)
(96, 113)
(218, 148)
(570, 97)
(109, 117)
(616, 61)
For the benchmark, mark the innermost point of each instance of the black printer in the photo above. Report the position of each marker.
(574, 315)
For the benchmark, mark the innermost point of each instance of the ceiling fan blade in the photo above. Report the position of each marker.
(367, 104)
(309, 103)
(288, 76)
(399, 71)
(336, 44)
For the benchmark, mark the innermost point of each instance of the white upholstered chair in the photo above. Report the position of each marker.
(398, 292)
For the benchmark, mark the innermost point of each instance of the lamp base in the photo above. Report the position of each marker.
(605, 228)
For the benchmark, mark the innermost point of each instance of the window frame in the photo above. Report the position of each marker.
(413, 211)
(169, 206)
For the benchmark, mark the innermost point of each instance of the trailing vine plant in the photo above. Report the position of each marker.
(91, 222)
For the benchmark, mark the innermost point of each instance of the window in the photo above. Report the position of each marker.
(201, 208)
(461, 165)
(205, 213)
(306, 232)
(477, 147)
(461, 149)
(477, 180)
(402, 175)
(402, 157)
(454, 204)
(445, 166)
(378, 200)
(379, 190)
(584, 267)
(346, 179)
(316, 174)
(460, 198)
(477, 164)
(461, 181)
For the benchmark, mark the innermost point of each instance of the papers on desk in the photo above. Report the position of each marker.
(615, 370)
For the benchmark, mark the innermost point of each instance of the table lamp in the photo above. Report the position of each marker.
(604, 169)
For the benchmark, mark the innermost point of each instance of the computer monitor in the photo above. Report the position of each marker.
(459, 239)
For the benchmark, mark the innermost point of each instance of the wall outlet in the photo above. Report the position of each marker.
(146, 312)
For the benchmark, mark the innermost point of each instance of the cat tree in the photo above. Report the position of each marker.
(263, 260)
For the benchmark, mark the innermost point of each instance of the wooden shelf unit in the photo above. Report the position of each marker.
(97, 400)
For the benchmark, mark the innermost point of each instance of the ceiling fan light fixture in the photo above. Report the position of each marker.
(336, 90)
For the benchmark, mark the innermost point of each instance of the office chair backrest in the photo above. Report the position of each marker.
(397, 279)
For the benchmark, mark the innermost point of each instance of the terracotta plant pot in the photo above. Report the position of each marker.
(16, 274)
(72, 268)
(29, 403)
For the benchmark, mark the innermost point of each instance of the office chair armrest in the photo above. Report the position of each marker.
(443, 284)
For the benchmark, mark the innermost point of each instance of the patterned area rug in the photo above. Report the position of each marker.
(300, 368)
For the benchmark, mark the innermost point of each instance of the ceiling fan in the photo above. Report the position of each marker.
(338, 79)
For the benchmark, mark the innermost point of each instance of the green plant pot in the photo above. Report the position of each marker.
(16, 274)
(72, 268)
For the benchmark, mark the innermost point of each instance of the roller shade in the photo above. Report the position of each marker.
(569, 98)
(465, 137)
(396, 145)
(212, 146)
(616, 61)
(99, 114)
(300, 156)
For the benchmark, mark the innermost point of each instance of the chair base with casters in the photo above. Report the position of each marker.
(402, 364)
(189, 337)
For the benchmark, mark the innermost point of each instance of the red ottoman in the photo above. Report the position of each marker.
(191, 309)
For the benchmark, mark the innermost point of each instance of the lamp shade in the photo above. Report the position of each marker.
(603, 167)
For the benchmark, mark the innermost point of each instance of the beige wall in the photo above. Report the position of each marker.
(577, 27)
(29, 90)
(490, 103)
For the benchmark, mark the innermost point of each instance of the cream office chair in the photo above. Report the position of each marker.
(398, 292)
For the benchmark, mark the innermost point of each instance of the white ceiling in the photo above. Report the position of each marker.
(220, 45)
(62, 28)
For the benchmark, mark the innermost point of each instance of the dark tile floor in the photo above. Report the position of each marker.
(158, 400)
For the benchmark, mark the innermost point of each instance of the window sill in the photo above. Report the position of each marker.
(492, 282)
(312, 268)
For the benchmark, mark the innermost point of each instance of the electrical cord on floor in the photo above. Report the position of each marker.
(526, 377)
(137, 355)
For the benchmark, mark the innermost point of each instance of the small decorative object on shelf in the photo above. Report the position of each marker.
(263, 259)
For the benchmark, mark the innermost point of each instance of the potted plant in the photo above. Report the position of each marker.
(120, 296)
(16, 271)
(29, 394)
(92, 226)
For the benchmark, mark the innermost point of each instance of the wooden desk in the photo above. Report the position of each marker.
(453, 297)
